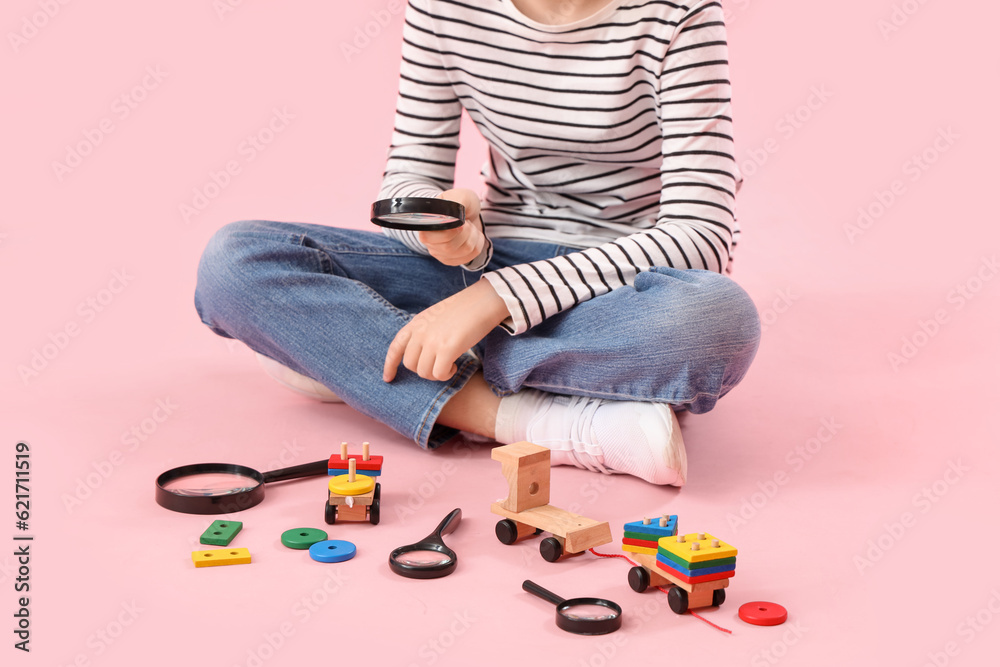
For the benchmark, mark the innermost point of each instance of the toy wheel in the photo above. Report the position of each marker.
(550, 549)
(718, 597)
(506, 531)
(677, 598)
(638, 579)
(373, 511)
(330, 513)
(378, 490)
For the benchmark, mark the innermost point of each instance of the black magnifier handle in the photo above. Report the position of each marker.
(538, 591)
(294, 472)
(447, 525)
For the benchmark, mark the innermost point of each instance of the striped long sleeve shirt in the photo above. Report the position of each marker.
(611, 134)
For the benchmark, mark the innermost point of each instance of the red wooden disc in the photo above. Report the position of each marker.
(763, 613)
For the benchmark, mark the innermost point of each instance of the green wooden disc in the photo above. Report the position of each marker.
(302, 538)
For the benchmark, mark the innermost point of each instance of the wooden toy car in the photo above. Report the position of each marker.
(526, 467)
(354, 495)
(695, 568)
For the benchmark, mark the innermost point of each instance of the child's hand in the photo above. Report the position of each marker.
(454, 247)
(430, 343)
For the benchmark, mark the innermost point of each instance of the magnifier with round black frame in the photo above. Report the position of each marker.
(429, 558)
(418, 214)
(581, 616)
(221, 488)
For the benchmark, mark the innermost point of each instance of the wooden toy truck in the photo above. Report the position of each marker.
(527, 512)
(354, 495)
(696, 568)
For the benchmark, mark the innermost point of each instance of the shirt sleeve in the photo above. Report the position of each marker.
(425, 138)
(695, 221)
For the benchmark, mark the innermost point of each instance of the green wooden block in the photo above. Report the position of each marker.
(645, 537)
(221, 532)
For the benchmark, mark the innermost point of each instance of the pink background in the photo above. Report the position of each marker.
(877, 547)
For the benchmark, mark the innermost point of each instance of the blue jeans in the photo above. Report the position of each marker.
(326, 302)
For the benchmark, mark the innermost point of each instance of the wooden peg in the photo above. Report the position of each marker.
(645, 521)
(343, 451)
(352, 470)
(364, 451)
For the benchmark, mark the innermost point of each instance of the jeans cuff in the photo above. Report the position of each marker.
(430, 435)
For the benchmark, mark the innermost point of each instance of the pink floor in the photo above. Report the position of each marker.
(854, 468)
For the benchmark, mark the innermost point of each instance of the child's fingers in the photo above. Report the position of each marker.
(394, 355)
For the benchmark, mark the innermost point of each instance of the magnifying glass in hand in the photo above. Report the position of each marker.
(418, 214)
(221, 488)
(429, 558)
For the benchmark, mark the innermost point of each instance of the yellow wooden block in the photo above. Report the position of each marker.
(341, 485)
(705, 550)
(580, 533)
(239, 556)
(363, 499)
(639, 550)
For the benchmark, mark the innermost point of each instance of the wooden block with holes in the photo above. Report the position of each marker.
(527, 469)
(216, 557)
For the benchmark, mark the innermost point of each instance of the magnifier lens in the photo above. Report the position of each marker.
(589, 612)
(210, 484)
(423, 558)
(416, 218)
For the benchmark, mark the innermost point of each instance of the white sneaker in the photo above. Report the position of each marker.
(630, 437)
(295, 381)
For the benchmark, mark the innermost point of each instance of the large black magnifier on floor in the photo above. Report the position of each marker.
(418, 214)
(221, 488)
(581, 616)
(429, 558)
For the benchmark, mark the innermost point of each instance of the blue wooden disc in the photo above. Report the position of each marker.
(332, 551)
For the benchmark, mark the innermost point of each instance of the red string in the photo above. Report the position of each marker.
(662, 589)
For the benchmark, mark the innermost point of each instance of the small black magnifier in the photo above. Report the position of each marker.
(418, 214)
(429, 558)
(581, 616)
(221, 488)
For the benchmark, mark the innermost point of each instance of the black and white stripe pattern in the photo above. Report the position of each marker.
(611, 134)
